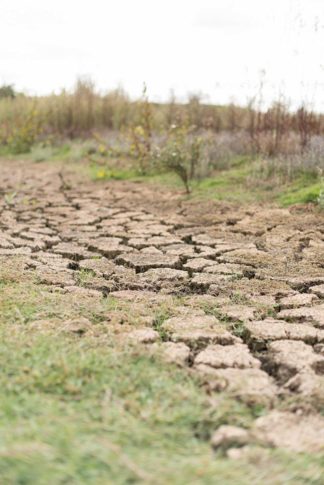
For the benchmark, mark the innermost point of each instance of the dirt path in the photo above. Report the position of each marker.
(250, 281)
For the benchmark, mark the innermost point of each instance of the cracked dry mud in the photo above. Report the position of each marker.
(251, 319)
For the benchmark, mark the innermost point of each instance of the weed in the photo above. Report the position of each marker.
(161, 315)
(239, 298)
(84, 276)
(10, 198)
(238, 329)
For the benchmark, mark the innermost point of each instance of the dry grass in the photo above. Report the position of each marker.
(84, 109)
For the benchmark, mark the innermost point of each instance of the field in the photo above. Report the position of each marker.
(162, 286)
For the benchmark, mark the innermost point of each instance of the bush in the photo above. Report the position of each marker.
(181, 153)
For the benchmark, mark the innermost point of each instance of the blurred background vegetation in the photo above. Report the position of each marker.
(248, 148)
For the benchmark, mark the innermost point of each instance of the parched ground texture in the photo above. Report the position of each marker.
(232, 296)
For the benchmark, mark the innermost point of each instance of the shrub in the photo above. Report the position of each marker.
(180, 152)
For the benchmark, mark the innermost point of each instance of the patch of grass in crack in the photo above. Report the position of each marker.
(262, 310)
(209, 309)
(293, 403)
(159, 318)
(223, 410)
(217, 313)
(84, 276)
(238, 329)
(271, 312)
(239, 299)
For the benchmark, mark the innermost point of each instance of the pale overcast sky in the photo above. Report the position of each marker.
(217, 47)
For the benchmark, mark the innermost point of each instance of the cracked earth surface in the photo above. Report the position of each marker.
(250, 279)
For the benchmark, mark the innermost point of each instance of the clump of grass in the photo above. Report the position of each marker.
(238, 328)
(161, 315)
(84, 276)
(301, 192)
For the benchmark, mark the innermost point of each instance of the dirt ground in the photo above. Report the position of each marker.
(249, 279)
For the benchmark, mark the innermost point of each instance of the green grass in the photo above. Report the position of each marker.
(301, 192)
(76, 411)
(47, 152)
(218, 187)
(228, 185)
(160, 316)
(27, 302)
(102, 173)
(240, 182)
(237, 184)
(94, 410)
